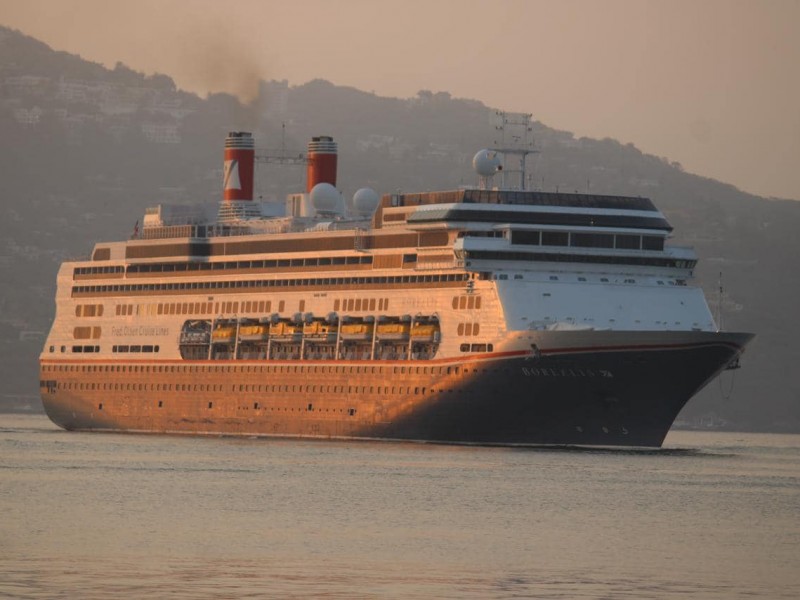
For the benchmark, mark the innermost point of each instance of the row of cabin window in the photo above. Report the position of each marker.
(228, 265)
(554, 199)
(466, 302)
(99, 270)
(95, 349)
(89, 310)
(468, 329)
(255, 369)
(331, 389)
(270, 283)
(350, 411)
(86, 333)
(82, 349)
(477, 348)
(202, 308)
(200, 387)
(574, 258)
(588, 240)
(357, 304)
(249, 264)
(247, 306)
(135, 348)
(504, 277)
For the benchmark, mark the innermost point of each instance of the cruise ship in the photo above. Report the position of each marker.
(484, 315)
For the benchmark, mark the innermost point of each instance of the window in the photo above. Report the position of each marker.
(652, 242)
(531, 238)
(82, 333)
(627, 242)
(592, 240)
(555, 238)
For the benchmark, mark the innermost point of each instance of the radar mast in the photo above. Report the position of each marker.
(514, 142)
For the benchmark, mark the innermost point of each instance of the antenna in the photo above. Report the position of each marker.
(281, 156)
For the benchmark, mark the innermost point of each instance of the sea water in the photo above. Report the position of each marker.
(89, 515)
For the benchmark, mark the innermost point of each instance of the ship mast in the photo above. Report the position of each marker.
(515, 142)
(281, 156)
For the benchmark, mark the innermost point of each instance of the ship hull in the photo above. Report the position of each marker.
(571, 388)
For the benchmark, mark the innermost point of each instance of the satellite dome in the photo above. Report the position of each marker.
(325, 198)
(365, 201)
(487, 163)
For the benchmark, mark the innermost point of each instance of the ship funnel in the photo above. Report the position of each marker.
(238, 167)
(322, 158)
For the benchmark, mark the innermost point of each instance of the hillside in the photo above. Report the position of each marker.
(84, 149)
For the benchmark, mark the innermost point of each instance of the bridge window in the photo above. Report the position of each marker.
(652, 242)
(628, 242)
(592, 240)
(531, 238)
(555, 238)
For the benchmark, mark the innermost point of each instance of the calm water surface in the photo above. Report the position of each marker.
(83, 515)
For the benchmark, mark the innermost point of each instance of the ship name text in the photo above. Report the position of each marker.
(547, 372)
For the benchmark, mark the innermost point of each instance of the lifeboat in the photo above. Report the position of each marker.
(425, 332)
(224, 335)
(282, 329)
(318, 329)
(356, 331)
(253, 333)
(393, 331)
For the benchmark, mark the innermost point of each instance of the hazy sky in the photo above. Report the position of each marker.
(712, 84)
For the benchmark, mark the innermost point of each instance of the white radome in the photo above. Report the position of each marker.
(487, 162)
(325, 197)
(365, 201)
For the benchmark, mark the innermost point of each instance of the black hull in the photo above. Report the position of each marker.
(594, 396)
(609, 399)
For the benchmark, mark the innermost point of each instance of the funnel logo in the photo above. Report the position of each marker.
(231, 175)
